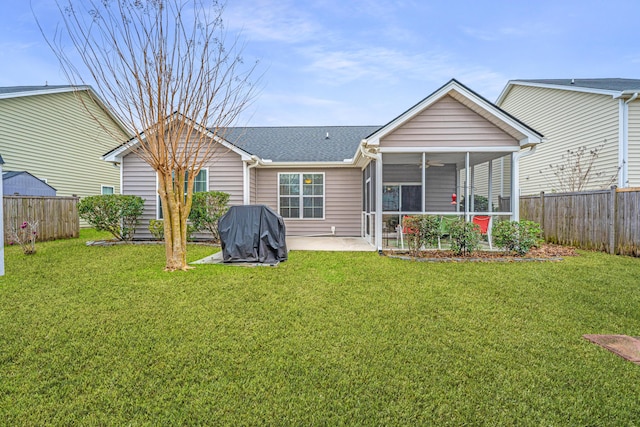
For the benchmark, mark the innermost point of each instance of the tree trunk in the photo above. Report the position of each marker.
(175, 222)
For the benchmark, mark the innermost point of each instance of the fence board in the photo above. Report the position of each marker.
(57, 216)
(604, 220)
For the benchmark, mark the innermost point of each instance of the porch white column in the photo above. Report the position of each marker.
(424, 187)
(467, 179)
(490, 195)
(378, 181)
(515, 186)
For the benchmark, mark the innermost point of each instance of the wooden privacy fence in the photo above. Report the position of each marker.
(604, 220)
(57, 216)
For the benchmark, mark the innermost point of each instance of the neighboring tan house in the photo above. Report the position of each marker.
(51, 132)
(357, 180)
(595, 114)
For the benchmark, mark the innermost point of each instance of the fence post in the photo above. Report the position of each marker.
(612, 220)
(542, 211)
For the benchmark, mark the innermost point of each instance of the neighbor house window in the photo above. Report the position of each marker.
(200, 184)
(107, 189)
(301, 195)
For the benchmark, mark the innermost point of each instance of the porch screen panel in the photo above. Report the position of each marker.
(411, 198)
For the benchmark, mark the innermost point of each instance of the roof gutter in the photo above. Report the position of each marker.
(246, 177)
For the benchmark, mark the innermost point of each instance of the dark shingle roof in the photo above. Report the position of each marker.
(300, 143)
(602, 84)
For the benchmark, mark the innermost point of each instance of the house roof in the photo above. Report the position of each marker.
(12, 91)
(337, 144)
(300, 143)
(477, 103)
(616, 87)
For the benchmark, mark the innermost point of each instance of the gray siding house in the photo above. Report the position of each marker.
(361, 180)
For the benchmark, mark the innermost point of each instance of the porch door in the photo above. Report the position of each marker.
(368, 208)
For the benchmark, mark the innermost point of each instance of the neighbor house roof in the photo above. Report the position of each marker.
(616, 87)
(6, 175)
(12, 91)
(300, 143)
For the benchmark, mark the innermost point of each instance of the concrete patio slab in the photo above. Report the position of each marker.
(329, 243)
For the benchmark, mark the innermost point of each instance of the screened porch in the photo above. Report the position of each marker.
(440, 184)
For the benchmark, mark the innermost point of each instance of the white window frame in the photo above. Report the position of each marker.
(102, 187)
(302, 196)
(158, 210)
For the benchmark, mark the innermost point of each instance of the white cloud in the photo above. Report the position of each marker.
(268, 20)
(341, 67)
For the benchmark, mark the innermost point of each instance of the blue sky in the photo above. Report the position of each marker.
(350, 62)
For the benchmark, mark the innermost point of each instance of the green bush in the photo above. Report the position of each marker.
(419, 231)
(518, 237)
(206, 210)
(465, 236)
(116, 213)
(480, 203)
(156, 228)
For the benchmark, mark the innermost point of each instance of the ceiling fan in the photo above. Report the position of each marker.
(430, 163)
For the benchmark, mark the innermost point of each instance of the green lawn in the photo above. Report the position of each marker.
(101, 336)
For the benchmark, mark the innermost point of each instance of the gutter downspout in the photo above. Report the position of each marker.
(515, 181)
(247, 178)
(623, 180)
(378, 225)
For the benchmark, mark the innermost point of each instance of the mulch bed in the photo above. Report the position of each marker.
(545, 252)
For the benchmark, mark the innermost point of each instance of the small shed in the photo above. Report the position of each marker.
(22, 183)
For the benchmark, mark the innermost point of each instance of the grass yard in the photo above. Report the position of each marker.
(101, 336)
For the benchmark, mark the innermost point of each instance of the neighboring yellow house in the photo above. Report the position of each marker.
(52, 132)
(573, 113)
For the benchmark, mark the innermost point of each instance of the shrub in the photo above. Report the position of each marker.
(420, 230)
(411, 231)
(156, 228)
(465, 237)
(518, 237)
(25, 236)
(116, 213)
(430, 230)
(206, 210)
(480, 203)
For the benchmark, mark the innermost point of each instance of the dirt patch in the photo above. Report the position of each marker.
(545, 252)
(624, 346)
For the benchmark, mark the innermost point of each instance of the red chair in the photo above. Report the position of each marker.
(485, 226)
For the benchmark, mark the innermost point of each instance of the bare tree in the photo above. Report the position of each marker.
(163, 67)
(576, 170)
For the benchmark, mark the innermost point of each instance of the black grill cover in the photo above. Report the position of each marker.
(252, 233)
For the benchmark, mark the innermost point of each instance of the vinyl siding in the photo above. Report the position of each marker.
(343, 201)
(440, 184)
(501, 179)
(225, 174)
(448, 123)
(568, 120)
(54, 138)
(634, 144)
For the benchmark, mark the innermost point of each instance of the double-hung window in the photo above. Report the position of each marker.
(301, 195)
(200, 184)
